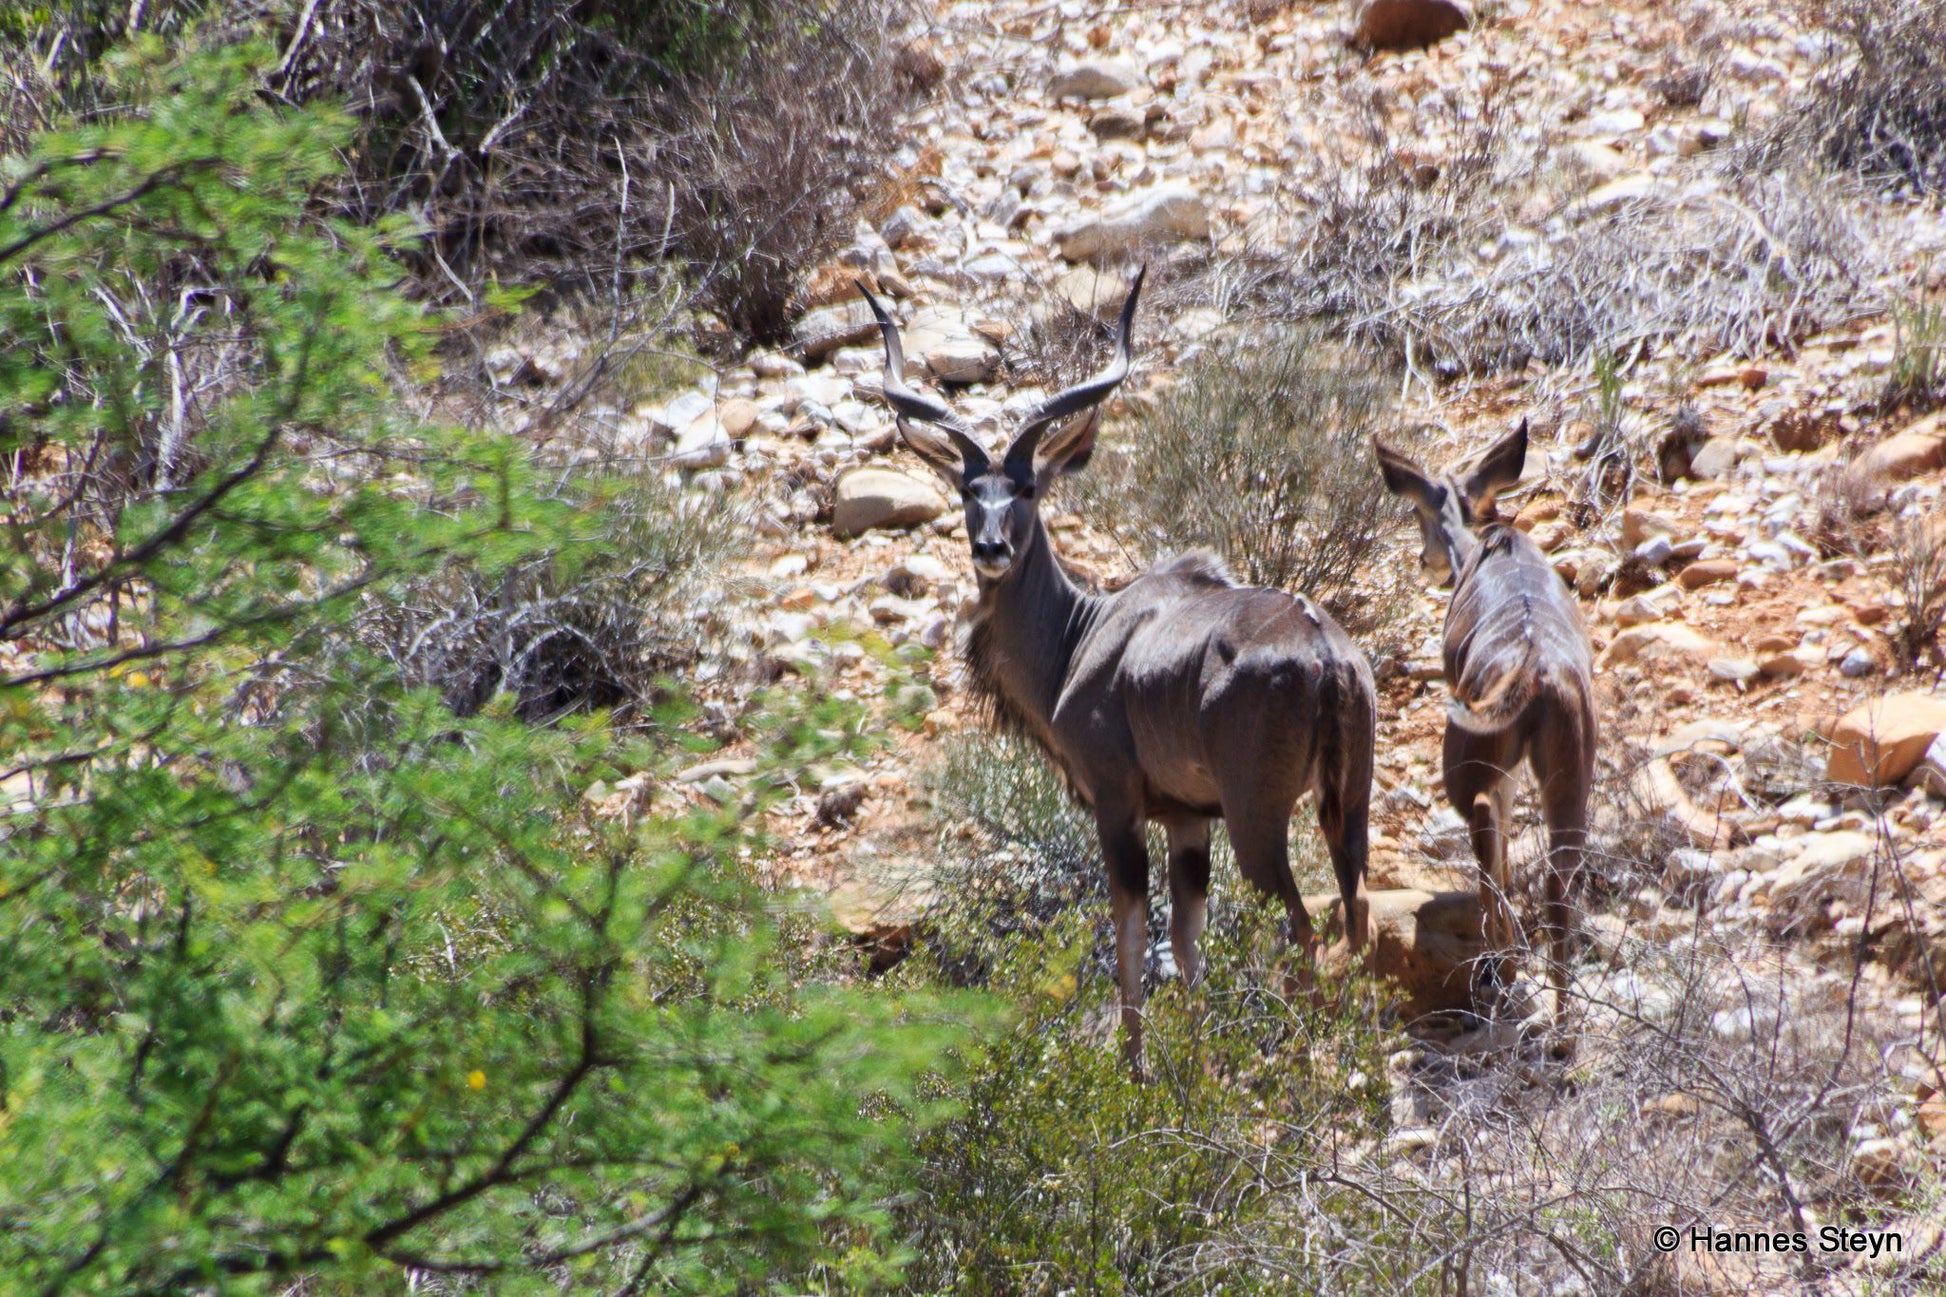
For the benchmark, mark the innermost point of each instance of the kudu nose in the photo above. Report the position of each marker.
(989, 551)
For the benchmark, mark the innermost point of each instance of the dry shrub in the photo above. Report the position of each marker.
(766, 161)
(1918, 375)
(1449, 265)
(1261, 452)
(568, 144)
(599, 627)
(1721, 1081)
(1878, 106)
(1918, 551)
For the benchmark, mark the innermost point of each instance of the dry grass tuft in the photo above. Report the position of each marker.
(1495, 256)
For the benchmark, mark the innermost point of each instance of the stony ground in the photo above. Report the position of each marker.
(1741, 584)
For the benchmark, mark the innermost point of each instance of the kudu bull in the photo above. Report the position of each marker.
(1518, 663)
(1180, 699)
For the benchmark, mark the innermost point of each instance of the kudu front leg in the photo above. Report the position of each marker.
(1126, 851)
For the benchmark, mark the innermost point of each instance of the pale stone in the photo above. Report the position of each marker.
(1599, 160)
(1095, 79)
(1661, 639)
(1830, 866)
(879, 498)
(1164, 212)
(703, 444)
(1640, 524)
(1718, 456)
(828, 328)
(1616, 194)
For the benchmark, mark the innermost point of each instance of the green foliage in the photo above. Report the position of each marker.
(306, 979)
(1918, 374)
(1063, 1175)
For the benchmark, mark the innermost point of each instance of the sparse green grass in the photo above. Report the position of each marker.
(1918, 375)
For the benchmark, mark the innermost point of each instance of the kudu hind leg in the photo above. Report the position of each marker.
(1344, 818)
(1125, 848)
(1188, 895)
(1477, 785)
(1264, 860)
(1565, 785)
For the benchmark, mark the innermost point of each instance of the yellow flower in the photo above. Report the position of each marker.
(476, 1079)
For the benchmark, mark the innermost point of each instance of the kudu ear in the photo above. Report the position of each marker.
(1403, 477)
(937, 449)
(1497, 470)
(1071, 449)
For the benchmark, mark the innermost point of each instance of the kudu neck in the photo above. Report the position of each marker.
(1460, 543)
(1034, 617)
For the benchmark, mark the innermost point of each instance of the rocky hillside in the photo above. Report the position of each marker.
(1601, 217)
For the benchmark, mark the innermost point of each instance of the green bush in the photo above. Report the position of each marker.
(1063, 1175)
(305, 980)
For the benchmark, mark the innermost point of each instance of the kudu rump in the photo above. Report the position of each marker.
(1179, 699)
(1518, 662)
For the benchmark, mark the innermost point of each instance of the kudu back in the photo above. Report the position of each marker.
(1180, 699)
(1520, 669)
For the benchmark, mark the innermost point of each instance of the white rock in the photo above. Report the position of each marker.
(1163, 212)
(680, 413)
(939, 338)
(1638, 188)
(1620, 121)
(906, 226)
(1733, 670)
(703, 444)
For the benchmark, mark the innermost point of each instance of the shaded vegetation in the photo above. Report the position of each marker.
(550, 141)
(309, 979)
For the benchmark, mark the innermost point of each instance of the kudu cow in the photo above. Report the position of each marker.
(1518, 663)
(1180, 699)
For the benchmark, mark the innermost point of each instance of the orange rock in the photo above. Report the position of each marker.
(738, 415)
(1905, 455)
(1707, 571)
(1877, 744)
(1543, 510)
(1427, 942)
(1640, 524)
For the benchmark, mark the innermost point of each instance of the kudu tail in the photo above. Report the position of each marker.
(1500, 706)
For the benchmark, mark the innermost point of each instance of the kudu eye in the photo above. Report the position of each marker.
(1025, 493)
